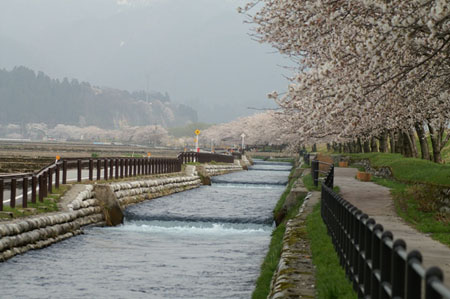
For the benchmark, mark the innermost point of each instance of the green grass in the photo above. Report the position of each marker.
(409, 170)
(270, 263)
(48, 205)
(411, 210)
(283, 197)
(331, 281)
(309, 183)
(272, 258)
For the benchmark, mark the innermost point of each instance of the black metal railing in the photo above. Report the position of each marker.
(188, 157)
(378, 266)
(37, 185)
(328, 173)
(306, 158)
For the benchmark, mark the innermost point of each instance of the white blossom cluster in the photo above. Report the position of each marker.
(364, 66)
(259, 129)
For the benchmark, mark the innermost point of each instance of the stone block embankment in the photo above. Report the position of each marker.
(80, 207)
(295, 273)
(36, 232)
(137, 191)
(212, 170)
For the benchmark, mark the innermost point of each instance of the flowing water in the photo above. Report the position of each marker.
(208, 242)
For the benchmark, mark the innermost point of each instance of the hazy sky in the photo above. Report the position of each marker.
(198, 51)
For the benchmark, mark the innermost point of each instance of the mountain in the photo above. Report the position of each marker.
(197, 50)
(29, 97)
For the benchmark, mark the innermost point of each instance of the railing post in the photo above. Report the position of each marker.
(1, 194)
(413, 279)
(152, 166)
(146, 166)
(33, 188)
(433, 274)
(111, 169)
(44, 186)
(12, 203)
(130, 167)
(386, 263)
(99, 169)
(57, 170)
(79, 170)
(121, 168)
(315, 172)
(24, 192)
(50, 180)
(105, 169)
(41, 188)
(64, 180)
(91, 170)
(398, 269)
(376, 264)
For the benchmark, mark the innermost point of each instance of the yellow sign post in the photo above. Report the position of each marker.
(197, 132)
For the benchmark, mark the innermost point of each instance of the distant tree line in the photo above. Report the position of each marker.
(29, 97)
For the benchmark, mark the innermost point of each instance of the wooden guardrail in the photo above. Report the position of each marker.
(37, 185)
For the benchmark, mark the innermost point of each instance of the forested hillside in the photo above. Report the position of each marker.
(27, 97)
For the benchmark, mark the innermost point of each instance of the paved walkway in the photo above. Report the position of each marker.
(376, 201)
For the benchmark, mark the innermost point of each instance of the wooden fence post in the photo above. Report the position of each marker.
(33, 188)
(25, 192)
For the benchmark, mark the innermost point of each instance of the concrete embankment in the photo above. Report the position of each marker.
(295, 273)
(81, 206)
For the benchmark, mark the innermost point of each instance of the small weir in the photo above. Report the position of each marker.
(203, 243)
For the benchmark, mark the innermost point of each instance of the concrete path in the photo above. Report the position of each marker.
(376, 201)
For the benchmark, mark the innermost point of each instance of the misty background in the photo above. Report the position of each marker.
(196, 53)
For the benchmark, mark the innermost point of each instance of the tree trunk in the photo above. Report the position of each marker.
(411, 138)
(314, 148)
(358, 145)
(374, 145)
(346, 149)
(435, 143)
(392, 141)
(425, 151)
(366, 146)
(384, 142)
(399, 147)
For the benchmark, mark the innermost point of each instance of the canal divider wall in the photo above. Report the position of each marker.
(81, 207)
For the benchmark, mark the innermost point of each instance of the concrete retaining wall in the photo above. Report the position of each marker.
(219, 169)
(79, 207)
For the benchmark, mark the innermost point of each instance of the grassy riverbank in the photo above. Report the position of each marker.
(49, 204)
(272, 258)
(408, 170)
(416, 187)
(331, 281)
(417, 206)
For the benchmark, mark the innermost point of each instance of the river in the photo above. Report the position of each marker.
(207, 242)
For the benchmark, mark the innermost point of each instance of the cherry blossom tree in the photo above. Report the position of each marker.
(366, 69)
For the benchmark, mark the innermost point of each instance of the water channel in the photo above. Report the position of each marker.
(208, 242)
